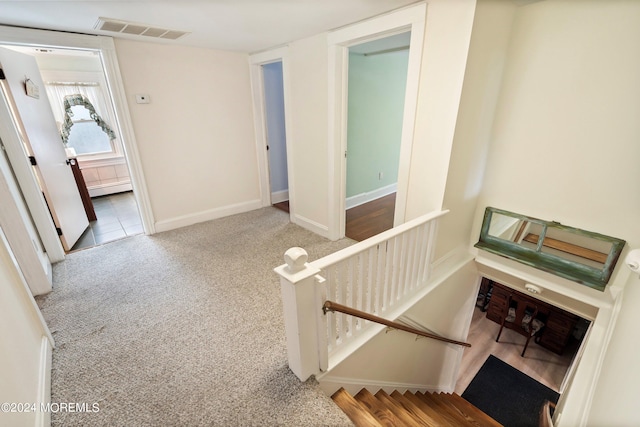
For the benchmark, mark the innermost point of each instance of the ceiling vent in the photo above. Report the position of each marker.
(124, 27)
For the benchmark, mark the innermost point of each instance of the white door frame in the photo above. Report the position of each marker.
(29, 256)
(408, 19)
(106, 49)
(260, 122)
(25, 179)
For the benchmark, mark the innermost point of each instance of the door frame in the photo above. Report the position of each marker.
(408, 19)
(260, 121)
(106, 48)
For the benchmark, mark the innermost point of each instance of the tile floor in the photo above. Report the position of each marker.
(118, 218)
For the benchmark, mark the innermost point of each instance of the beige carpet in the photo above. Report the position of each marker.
(183, 328)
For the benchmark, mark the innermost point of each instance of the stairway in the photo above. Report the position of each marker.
(410, 409)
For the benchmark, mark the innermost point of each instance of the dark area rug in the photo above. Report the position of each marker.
(510, 397)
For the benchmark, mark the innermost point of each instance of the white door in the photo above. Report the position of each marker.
(24, 89)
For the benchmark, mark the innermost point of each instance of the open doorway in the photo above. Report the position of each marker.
(410, 21)
(272, 76)
(78, 95)
(377, 80)
(548, 352)
(270, 90)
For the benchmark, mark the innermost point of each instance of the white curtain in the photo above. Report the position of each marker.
(93, 91)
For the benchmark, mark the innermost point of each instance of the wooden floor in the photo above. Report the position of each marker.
(365, 220)
(538, 362)
(370, 218)
(284, 206)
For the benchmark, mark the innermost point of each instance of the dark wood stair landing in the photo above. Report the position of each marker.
(410, 409)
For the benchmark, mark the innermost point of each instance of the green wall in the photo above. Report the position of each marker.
(376, 103)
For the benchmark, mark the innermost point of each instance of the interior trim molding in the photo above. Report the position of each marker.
(208, 215)
(369, 196)
(43, 418)
(111, 188)
(330, 384)
(279, 196)
(256, 61)
(311, 225)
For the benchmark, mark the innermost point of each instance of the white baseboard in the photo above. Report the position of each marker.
(43, 418)
(279, 196)
(208, 215)
(311, 225)
(362, 198)
(104, 189)
(330, 385)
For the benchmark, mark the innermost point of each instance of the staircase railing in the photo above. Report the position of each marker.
(381, 275)
(330, 306)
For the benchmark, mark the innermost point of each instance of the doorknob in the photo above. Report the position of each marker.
(71, 162)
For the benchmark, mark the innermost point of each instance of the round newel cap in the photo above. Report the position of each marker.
(295, 259)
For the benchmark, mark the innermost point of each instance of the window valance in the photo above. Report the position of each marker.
(78, 99)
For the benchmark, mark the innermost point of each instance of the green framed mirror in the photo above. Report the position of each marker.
(582, 256)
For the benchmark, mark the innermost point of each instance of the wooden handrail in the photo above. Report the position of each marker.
(333, 306)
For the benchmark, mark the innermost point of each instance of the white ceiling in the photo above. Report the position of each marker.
(236, 25)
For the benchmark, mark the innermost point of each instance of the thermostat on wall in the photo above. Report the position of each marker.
(142, 99)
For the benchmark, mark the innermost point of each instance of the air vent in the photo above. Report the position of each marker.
(124, 27)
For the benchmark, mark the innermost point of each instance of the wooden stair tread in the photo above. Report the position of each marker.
(473, 411)
(410, 409)
(378, 408)
(448, 416)
(444, 400)
(407, 418)
(356, 412)
(415, 410)
(473, 414)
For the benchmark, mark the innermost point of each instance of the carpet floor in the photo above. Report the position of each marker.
(183, 328)
(507, 395)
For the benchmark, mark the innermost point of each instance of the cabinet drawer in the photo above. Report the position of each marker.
(499, 293)
(552, 341)
(496, 311)
(561, 324)
(559, 329)
(492, 315)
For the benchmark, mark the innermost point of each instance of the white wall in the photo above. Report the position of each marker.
(397, 360)
(565, 138)
(196, 137)
(564, 147)
(615, 402)
(482, 82)
(441, 78)
(446, 45)
(309, 94)
(22, 374)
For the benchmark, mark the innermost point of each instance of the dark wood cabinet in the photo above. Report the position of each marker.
(557, 324)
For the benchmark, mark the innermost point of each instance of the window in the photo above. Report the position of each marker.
(83, 129)
(86, 137)
(84, 119)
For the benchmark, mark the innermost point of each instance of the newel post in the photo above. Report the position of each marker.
(297, 280)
